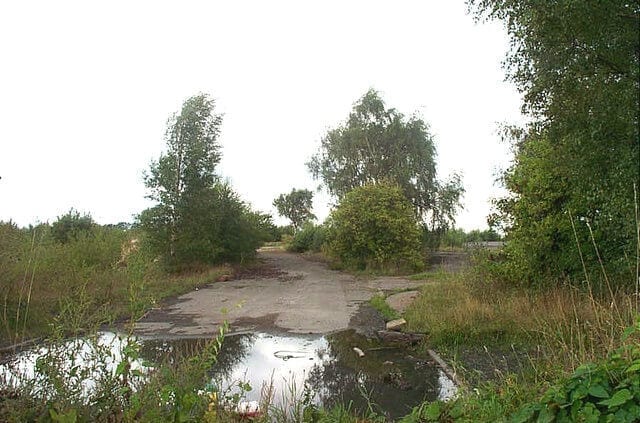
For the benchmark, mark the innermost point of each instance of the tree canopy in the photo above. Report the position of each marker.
(376, 145)
(296, 206)
(575, 166)
(198, 219)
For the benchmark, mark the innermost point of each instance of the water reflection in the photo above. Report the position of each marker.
(388, 376)
(392, 377)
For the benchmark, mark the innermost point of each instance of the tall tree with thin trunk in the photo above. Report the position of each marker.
(182, 178)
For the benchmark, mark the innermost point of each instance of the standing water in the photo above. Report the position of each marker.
(390, 378)
(285, 368)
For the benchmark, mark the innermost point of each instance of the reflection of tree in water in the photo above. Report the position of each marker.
(234, 350)
(395, 387)
(175, 352)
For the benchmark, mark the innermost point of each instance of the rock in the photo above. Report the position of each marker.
(223, 278)
(396, 324)
(400, 337)
(401, 301)
(358, 351)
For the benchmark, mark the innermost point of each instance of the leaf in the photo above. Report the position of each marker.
(618, 398)
(633, 368)
(598, 391)
(433, 411)
(525, 414)
(546, 416)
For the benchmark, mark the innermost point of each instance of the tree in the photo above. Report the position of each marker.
(374, 227)
(296, 206)
(378, 145)
(575, 166)
(71, 225)
(198, 218)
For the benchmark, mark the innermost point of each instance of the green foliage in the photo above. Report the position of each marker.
(71, 225)
(379, 303)
(41, 277)
(296, 206)
(310, 238)
(374, 228)
(381, 145)
(606, 391)
(198, 219)
(576, 165)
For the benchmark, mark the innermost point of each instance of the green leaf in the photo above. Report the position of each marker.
(525, 414)
(618, 398)
(433, 411)
(546, 415)
(598, 391)
(633, 368)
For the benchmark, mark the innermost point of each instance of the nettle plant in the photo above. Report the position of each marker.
(606, 391)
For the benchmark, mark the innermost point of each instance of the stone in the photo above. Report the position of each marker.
(396, 325)
(400, 337)
(402, 300)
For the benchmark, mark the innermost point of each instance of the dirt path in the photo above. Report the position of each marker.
(297, 295)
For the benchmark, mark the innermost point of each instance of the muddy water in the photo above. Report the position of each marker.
(393, 378)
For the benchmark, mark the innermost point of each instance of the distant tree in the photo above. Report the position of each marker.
(296, 206)
(198, 218)
(378, 145)
(374, 227)
(71, 225)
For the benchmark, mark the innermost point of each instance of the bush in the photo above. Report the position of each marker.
(70, 226)
(375, 228)
(309, 238)
(218, 228)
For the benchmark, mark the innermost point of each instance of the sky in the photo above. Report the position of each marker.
(86, 89)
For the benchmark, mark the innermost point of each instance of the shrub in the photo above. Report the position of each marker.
(309, 238)
(375, 228)
(70, 226)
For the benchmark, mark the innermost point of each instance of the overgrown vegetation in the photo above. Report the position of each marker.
(43, 280)
(374, 228)
(575, 166)
(565, 286)
(380, 145)
(309, 238)
(199, 219)
(562, 295)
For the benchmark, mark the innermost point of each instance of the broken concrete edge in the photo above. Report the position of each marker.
(445, 368)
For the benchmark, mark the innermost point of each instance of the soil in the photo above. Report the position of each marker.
(286, 292)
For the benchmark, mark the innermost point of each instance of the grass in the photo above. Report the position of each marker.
(550, 333)
(82, 283)
(379, 303)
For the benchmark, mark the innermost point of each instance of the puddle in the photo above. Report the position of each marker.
(395, 379)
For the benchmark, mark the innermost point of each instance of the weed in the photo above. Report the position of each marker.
(379, 303)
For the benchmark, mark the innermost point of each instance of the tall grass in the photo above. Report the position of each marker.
(571, 326)
(79, 283)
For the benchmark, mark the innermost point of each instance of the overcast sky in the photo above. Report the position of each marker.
(86, 89)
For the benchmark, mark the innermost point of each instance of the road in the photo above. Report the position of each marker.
(298, 296)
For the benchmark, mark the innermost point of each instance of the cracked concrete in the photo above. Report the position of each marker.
(307, 298)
